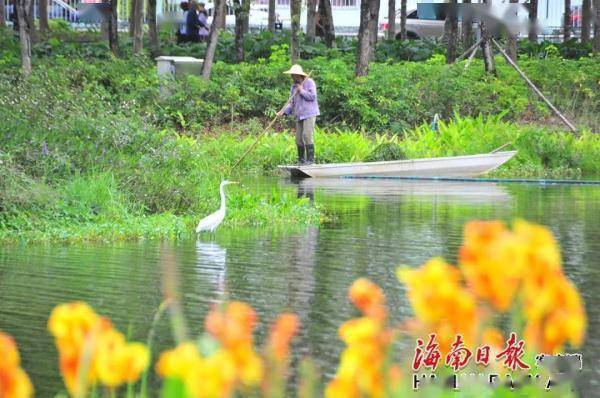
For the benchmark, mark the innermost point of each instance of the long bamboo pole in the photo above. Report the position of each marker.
(268, 126)
(534, 88)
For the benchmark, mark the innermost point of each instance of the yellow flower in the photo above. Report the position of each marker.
(213, 377)
(118, 362)
(14, 382)
(555, 314)
(177, 362)
(362, 368)
(492, 260)
(82, 335)
(440, 302)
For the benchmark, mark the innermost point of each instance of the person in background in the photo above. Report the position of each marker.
(182, 30)
(203, 19)
(306, 109)
(193, 23)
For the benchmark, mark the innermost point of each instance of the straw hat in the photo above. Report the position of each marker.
(295, 70)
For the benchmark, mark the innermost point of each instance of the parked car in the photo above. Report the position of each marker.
(416, 28)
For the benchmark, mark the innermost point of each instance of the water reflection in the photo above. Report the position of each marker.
(212, 266)
(463, 192)
(375, 225)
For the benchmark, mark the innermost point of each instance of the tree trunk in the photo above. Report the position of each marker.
(152, 28)
(213, 38)
(242, 12)
(567, 23)
(311, 19)
(23, 7)
(271, 23)
(512, 43)
(2, 14)
(533, 11)
(44, 26)
(374, 26)
(138, 26)
(295, 8)
(131, 17)
(391, 30)
(486, 46)
(403, 12)
(30, 18)
(369, 12)
(326, 18)
(597, 28)
(467, 29)
(586, 20)
(451, 32)
(113, 33)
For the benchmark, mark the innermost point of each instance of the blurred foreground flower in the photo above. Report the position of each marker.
(91, 351)
(363, 369)
(14, 382)
(231, 364)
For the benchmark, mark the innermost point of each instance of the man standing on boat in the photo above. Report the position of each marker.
(306, 109)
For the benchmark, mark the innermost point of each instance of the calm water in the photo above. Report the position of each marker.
(377, 225)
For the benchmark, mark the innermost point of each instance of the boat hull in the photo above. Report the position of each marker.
(454, 166)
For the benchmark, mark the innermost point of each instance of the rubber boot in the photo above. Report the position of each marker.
(310, 154)
(301, 158)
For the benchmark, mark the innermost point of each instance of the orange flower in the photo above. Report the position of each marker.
(14, 382)
(440, 302)
(233, 328)
(367, 297)
(492, 260)
(362, 368)
(86, 340)
(282, 332)
(555, 315)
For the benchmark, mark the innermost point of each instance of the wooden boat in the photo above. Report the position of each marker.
(453, 166)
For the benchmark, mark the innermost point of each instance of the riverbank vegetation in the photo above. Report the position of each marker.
(94, 147)
(460, 327)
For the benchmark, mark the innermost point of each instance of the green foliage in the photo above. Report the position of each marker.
(571, 49)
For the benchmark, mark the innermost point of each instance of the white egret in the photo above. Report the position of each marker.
(211, 222)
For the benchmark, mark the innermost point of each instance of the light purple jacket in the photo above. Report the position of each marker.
(304, 104)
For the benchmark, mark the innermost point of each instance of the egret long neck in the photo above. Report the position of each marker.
(222, 189)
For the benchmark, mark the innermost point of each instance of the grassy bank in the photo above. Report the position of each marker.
(98, 148)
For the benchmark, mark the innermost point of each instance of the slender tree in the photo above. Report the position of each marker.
(2, 14)
(326, 18)
(512, 43)
(242, 12)
(23, 7)
(295, 8)
(311, 19)
(213, 38)
(586, 20)
(131, 17)
(567, 22)
(486, 46)
(451, 30)
(113, 33)
(138, 25)
(30, 17)
(533, 12)
(44, 25)
(597, 27)
(467, 29)
(271, 23)
(403, 11)
(152, 28)
(369, 13)
(391, 30)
